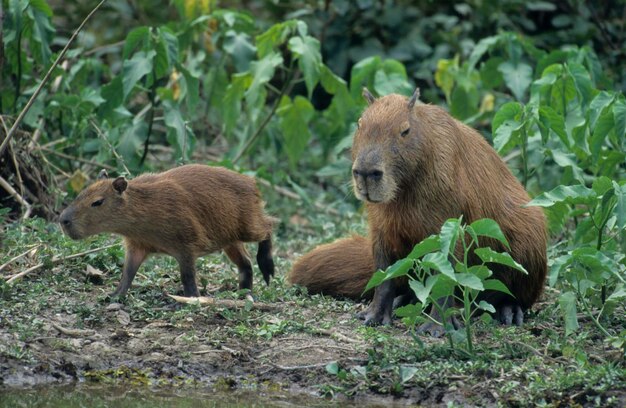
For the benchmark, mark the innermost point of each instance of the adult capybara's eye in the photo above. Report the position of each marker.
(97, 203)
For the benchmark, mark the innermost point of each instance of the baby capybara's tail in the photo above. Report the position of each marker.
(264, 259)
(340, 269)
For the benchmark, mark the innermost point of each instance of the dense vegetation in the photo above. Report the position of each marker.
(273, 89)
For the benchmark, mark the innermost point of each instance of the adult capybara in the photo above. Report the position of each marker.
(415, 166)
(340, 269)
(185, 212)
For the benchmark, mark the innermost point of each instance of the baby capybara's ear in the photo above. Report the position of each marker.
(103, 174)
(120, 184)
(368, 96)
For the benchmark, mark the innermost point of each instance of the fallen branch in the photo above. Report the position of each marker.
(337, 336)
(228, 303)
(73, 332)
(15, 258)
(5, 184)
(45, 80)
(54, 261)
(302, 367)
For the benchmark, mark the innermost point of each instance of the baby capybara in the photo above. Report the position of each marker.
(185, 212)
(415, 166)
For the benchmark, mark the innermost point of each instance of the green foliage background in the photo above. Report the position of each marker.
(273, 88)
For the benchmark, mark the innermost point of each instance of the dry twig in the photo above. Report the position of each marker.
(228, 303)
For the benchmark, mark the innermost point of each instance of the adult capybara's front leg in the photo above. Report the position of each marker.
(379, 311)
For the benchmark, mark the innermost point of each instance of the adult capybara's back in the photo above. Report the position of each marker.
(341, 268)
(415, 166)
(185, 212)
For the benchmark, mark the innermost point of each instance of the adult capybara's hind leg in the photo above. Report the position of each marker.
(238, 254)
(265, 260)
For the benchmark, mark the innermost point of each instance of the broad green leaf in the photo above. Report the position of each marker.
(620, 206)
(577, 194)
(362, 75)
(294, 120)
(275, 36)
(137, 37)
(507, 136)
(439, 262)
(240, 48)
(387, 83)
(508, 111)
(487, 227)
(231, 109)
(307, 51)
(332, 368)
(481, 48)
(556, 268)
(481, 271)
(597, 106)
(407, 372)
(135, 69)
(516, 77)
(445, 75)
(495, 284)
(113, 95)
(422, 290)
(427, 245)
(191, 88)
(619, 117)
(502, 258)
(131, 140)
(399, 268)
(603, 126)
(618, 295)
(487, 307)
(469, 280)
(448, 235)
(178, 134)
(262, 72)
(582, 81)
(377, 278)
(601, 185)
(411, 311)
(567, 304)
(42, 29)
(550, 120)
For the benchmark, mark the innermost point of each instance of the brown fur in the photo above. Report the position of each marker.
(416, 166)
(186, 212)
(340, 269)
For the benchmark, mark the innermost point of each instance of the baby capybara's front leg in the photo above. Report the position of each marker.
(133, 260)
(238, 254)
(188, 275)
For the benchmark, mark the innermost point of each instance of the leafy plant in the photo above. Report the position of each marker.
(440, 274)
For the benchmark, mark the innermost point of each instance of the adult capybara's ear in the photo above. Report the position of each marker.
(120, 184)
(368, 96)
(414, 98)
(103, 174)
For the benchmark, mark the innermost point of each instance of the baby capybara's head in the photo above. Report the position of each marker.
(95, 209)
(384, 147)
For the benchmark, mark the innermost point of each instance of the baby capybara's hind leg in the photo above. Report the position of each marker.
(238, 254)
(265, 260)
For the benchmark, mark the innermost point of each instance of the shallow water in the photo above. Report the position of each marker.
(101, 396)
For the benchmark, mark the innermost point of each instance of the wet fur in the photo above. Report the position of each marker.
(186, 212)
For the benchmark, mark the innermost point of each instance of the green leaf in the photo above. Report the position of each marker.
(602, 128)
(567, 304)
(430, 244)
(618, 294)
(481, 48)
(516, 77)
(407, 372)
(448, 236)
(487, 307)
(620, 206)
(166, 48)
(577, 194)
(307, 52)
(495, 284)
(439, 262)
(509, 111)
(582, 81)
(332, 368)
(502, 258)
(619, 118)
(275, 36)
(470, 281)
(391, 78)
(377, 278)
(598, 105)
(550, 120)
(240, 48)
(191, 88)
(422, 291)
(262, 72)
(362, 74)
(137, 37)
(557, 267)
(399, 268)
(231, 109)
(487, 227)
(294, 119)
(135, 69)
(177, 131)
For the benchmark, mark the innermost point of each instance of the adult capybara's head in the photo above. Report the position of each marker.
(384, 147)
(96, 208)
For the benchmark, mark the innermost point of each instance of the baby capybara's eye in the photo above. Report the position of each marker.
(97, 203)
(405, 132)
